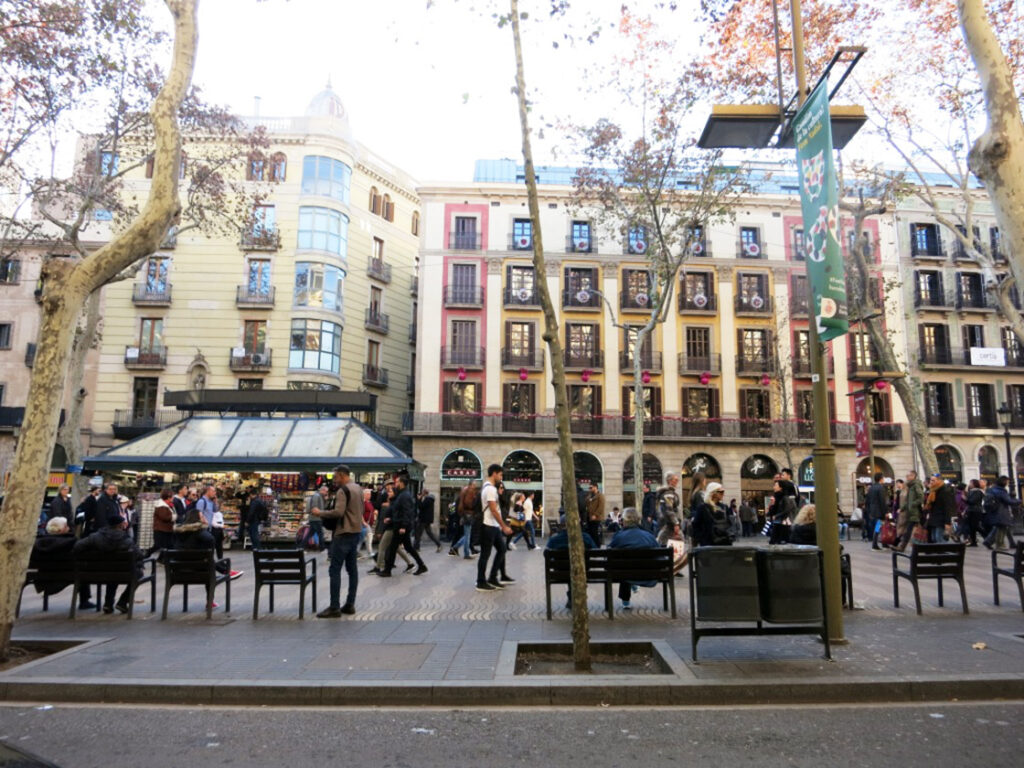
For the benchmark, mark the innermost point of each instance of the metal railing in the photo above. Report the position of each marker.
(136, 357)
(972, 300)
(585, 360)
(250, 361)
(649, 361)
(754, 305)
(635, 300)
(579, 244)
(753, 364)
(375, 376)
(522, 297)
(246, 297)
(462, 357)
(513, 359)
(261, 240)
(582, 299)
(464, 241)
(149, 295)
(698, 302)
(463, 296)
(378, 269)
(376, 320)
(711, 363)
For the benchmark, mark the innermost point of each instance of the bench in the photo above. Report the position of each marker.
(929, 561)
(613, 566)
(277, 567)
(184, 567)
(1015, 571)
(117, 569)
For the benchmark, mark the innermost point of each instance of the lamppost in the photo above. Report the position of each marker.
(1006, 419)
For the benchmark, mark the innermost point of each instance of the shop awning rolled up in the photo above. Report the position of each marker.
(256, 444)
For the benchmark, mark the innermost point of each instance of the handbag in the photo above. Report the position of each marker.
(920, 534)
(888, 534)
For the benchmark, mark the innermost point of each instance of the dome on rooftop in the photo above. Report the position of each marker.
(327, 104)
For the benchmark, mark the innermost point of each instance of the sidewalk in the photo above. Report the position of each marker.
(434, 640)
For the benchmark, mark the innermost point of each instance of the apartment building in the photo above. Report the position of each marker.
(726, 379)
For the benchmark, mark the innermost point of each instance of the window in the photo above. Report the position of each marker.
(327, 177)
(580, 284)
(801, 350)
(580, 237)
(522, 234)
(752, 292)
(799, 294)
(462, 397)
(109, 162)
(798, 245)
(465, 236)
(638, 240)
(755, 404)
(584, 401)
(373, 355)
(995, 241)
(519, 338)
(415, 223)
(323, 229)
(698, 244)
(250, 384)
(263, 224)
(378, 250)
(754, 349)
(145, 390)
(319, 286)
(698, 290)
(464, 288)
(521, 284)
(934, 340)
(750, 243)
(387, 208)
(636, 287)
(6, 334)
(151, 335)
(698, 348)
(981, 408)
(156, 274)
(959, 251)
(376, 299)
(463, 340)
(700, 403)
(651, 399)
(519, 399)
(582, 341)
(315, 344)
(925, 240)
(629, 336)
(314, 386)
(1012, 345)
(928, 289)
(1, 394)
(1014, 399)
(255, 169)
(970, 292)
(258, 277)
(254, 337)
(938, 404)
(973, 336)
(10, 270)
(862, 351)
(278, 166)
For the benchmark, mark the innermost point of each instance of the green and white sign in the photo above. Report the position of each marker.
(819, 198)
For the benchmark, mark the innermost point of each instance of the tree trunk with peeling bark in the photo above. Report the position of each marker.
(578, 574)
(997, 157)
(67, 287)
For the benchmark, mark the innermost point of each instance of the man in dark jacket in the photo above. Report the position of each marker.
(51, 557)
(876, 502)
(425, 519)
(115, 538)
(560, 541)
(1003, 518)
(108, 508)
(85, 513)
(403, 522)
(941, 510)
(632, 536)
(253, 517)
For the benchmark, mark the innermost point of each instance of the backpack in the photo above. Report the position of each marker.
(331, 523)
(721, 530)
(990, 508)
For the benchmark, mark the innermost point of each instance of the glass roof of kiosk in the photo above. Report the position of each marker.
(209, 443)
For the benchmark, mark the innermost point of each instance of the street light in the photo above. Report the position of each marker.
(1006, 419)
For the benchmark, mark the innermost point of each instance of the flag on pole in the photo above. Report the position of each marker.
(860, 424)
(819, 199)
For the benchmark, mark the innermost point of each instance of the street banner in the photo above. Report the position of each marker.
(860, 424)
(819, 199)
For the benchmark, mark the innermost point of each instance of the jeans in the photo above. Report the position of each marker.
(593, 528)
(528, 532)
(316, 527)
(254, 534)
(994, 536)
(344, 550)
(491, 537)
(936, 534)
(466, 541)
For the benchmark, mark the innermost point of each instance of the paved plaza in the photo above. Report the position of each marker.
(434, 639)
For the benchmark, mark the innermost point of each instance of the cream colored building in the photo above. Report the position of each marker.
(733, 344)
(319, 292)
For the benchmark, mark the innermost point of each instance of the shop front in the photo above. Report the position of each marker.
(698, 462)
(757, 480)
(652, 477)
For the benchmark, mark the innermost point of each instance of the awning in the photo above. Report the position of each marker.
(249, 444)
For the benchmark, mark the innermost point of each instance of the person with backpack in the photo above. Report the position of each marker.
(999, 506)
(348, 516)
(711, 524)
(876, 502)
(975, 500)
(940, 507)
(468, 499)
(492, 535)
(911, 503)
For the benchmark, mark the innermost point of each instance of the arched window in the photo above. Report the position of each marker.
(416, 222)
(255, 168)
(387, 209)
(375, 201)
(278, 166)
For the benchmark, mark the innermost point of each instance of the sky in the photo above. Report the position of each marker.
(427, 89)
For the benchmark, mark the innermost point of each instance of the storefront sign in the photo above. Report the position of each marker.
(988, 356)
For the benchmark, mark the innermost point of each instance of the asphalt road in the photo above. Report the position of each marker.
(933, 735)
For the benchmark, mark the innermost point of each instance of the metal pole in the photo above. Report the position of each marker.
(826, 496)
(1009, 460)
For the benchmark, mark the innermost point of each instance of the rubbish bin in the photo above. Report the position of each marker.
(790, 578)
(726, 583)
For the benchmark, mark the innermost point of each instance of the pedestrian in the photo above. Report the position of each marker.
(492, 534)
(668, 510)
(468, 499)
(254, 517)
(208, 506)
(1002, 504)
(180, 504)
(425, 519)
(60, 505)
(595, 513)
(388, 497)
(711, 524)
(108, 508)
(940, 506)
(163, 521)
(403, 522)
(632, 536)
(911, 508)
(972, 518)
(348, 510)
(747, 518)
(528, 531)
(369, 521)
(875, 506)
(316, 505)
(649, 509)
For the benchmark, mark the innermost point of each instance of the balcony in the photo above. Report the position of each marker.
(462, 357)
(247, 298)
(583, 360)
(700, 248)
(260, 240)
(635, 301)
(410, 385)
(136, 358)
(798, 304)
(698, 303)
(464, 241)
(521, 242)
(754, 365)
(930, 251)
(932, 300)
(700, 428)
(30, 354)
(936, 356)
(412, 333)
(249, 361)
(944, 419)
(749, 250)
(374, 320)
(882, 432)
(753, 305)
(378, 269)
(375, 376)
(973, 300)
(652, 427)
(525, 424)
(581, 299)
(463, 296)
(649, 361)
(802, 366)
(581, 244)
(144, 295)
(698, 364)
(127, 425)
(521, 297)
(862, 369)
(461, 422)
(514, 359)
(756, 428)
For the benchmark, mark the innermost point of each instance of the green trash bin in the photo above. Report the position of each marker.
(790, 578)
(726, 584)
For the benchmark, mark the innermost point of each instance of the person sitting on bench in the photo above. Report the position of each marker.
(632, 536)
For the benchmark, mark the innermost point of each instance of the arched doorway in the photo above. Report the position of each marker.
(698, 462)
(865, 476)
(458, 468)
(651, 476)
(523, 471)
(757, 476)
(988, 463)
(951, 465)
(588, 470)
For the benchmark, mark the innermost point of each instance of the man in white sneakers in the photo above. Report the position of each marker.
(492, 536)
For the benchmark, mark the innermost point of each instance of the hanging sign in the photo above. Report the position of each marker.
(860, 424)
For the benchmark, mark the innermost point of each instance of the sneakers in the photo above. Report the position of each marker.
(626, 606)
(634, 588)
(452, 553)
(512, 546)
(419, 571)
(235, 574)
(496, 584)
(375, 569)
(409, 567)
(331, 613)
(485, 586)
(122, 607)
(348, 609)
(505, 579)
(110, 608)
(215, 605)
(86, 606)
(469, 557)
(384, 574)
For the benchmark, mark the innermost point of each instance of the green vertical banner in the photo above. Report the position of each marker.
(819, 199)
